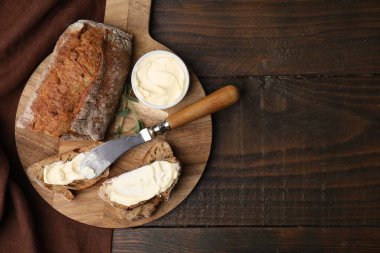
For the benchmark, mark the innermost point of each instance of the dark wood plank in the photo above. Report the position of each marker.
(271, 37)
(293, 151)
(247, 240)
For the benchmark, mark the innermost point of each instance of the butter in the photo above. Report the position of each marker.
(64, 173)
(143, 183)
(160, 78)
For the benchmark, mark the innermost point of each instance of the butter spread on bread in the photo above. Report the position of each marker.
(66, 172)
(78, 93)
(36, 173)
(143, 183)
(159, 151)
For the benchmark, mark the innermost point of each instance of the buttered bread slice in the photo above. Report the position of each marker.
(61, 173)
(137, 194)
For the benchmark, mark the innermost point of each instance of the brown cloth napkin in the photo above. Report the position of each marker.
(28, 32)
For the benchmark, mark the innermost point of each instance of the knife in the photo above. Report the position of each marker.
(105, 154)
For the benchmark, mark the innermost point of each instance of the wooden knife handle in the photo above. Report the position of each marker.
(214, 102)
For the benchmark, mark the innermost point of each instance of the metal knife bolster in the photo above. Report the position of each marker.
(151, 132)
(159, 128)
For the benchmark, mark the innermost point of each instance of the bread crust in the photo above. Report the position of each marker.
(36, 173)
(97, 112)
(159, 151)
(80, 90)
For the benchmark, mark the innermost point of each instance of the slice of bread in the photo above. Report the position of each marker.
(159, 151)
(36, 173)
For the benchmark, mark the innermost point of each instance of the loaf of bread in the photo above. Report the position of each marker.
(79, 92)
(36, 173)
(160, 151)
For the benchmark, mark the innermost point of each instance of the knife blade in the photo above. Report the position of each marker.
(100, 158)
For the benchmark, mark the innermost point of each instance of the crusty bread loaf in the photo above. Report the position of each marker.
(79, 92)
(159, 151)
(36, 173)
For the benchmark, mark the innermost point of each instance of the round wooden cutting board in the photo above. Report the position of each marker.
(191, 143)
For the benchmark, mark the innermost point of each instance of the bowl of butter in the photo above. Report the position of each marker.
(160, 79)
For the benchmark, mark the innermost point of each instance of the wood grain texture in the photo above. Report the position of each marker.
(246, 240)
(87, 207)
(270, 37)
(293, 151)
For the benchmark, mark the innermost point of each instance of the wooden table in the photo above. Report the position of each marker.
(295, 165)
